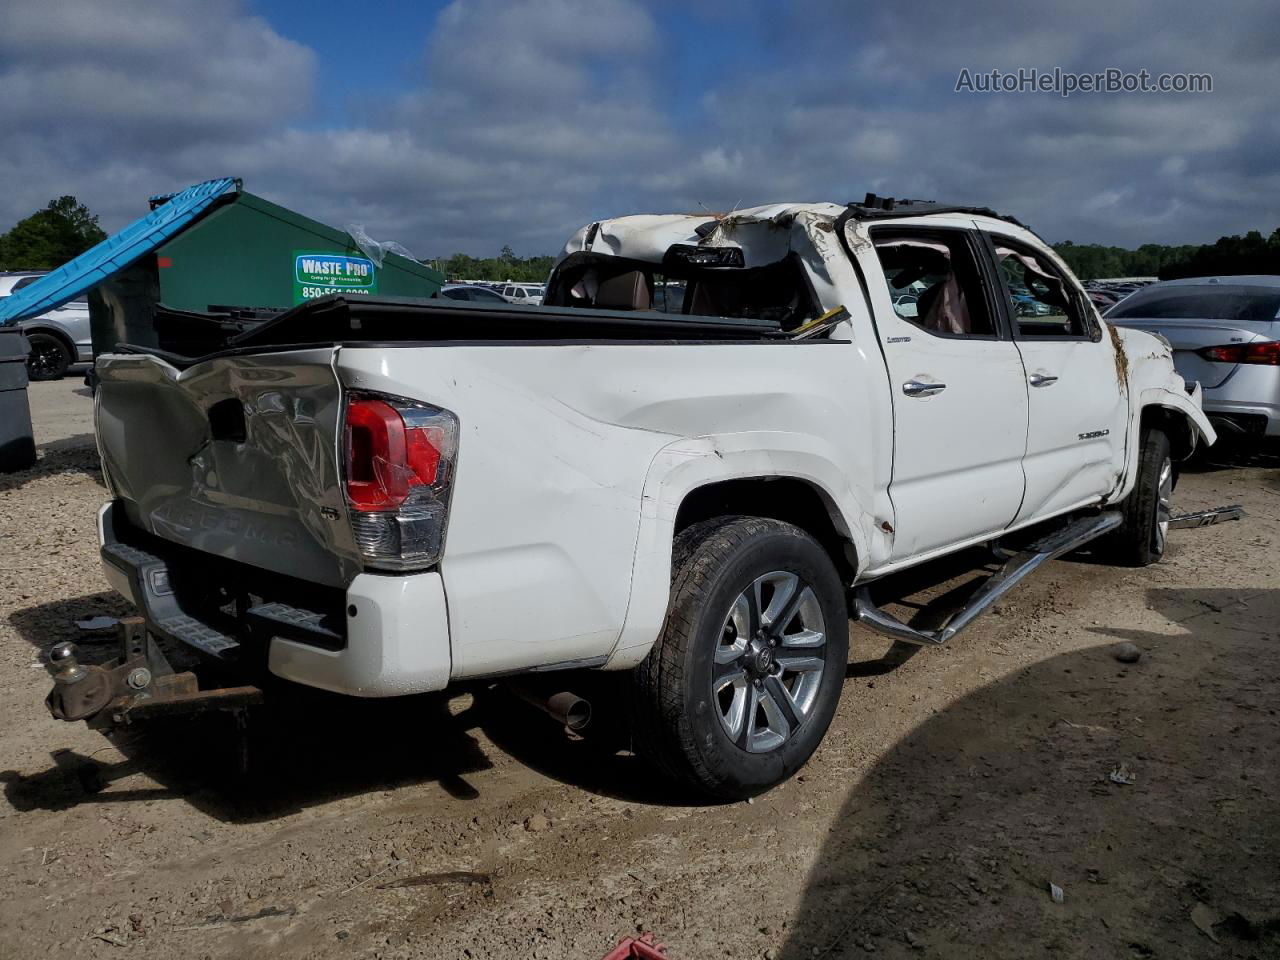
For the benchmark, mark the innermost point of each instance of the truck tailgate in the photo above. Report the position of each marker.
(235, 456)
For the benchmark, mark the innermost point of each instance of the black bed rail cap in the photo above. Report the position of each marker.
(873, 207)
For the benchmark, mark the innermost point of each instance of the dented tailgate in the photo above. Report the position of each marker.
(236, 456)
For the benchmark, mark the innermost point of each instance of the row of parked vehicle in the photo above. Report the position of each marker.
(525, 293)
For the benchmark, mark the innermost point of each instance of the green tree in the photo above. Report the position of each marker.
(50, 237)
(505, 266)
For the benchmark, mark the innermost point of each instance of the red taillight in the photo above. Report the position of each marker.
(1265, 352)
(399, 475)
(387, 457)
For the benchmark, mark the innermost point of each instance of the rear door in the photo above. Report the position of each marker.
(1078, 405)
(958, 391)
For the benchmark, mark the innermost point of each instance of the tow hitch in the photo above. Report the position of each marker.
(138, 684)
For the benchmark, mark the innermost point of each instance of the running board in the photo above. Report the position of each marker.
(1206, 518)
(1070, 537)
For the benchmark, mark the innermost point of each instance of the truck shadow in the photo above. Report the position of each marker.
(306, 748)
(947, 846)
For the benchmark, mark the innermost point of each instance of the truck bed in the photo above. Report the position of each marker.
(338, 320)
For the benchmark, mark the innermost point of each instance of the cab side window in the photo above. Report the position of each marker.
(934, 282)
(1041, 301)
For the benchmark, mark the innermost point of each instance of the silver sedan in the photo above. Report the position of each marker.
(1225, 334)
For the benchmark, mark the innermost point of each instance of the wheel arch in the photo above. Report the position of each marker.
(1177, 426)
(55, 332)
(790, 499)
(790, 477)
(1178, 413)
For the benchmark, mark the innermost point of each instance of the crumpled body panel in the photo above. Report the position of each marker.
(236, 457)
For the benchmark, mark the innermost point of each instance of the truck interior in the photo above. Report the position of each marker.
(775, 292)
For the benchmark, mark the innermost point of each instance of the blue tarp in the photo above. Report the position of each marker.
(114, 253)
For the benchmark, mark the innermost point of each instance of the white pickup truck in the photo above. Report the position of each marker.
(382, 497)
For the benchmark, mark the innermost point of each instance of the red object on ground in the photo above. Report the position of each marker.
(643, 947)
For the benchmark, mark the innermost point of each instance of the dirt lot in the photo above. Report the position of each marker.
(954, 786)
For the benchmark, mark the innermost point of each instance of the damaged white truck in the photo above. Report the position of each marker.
(692, 463)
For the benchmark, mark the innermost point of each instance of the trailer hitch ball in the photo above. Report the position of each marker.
(66, 668)
(78, 691)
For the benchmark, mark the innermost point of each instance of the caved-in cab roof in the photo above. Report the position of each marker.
(762, 233)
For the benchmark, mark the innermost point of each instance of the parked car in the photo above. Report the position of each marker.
(523, 293)
(473, 292)
(1225, 333)
(58, 338)
(369, 506)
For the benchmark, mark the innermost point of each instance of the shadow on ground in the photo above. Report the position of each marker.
(78, 454)
(1229, 453)
(306, 747)
(948, 846)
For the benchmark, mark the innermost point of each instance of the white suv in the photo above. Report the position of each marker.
(530, 293)
(58, 338)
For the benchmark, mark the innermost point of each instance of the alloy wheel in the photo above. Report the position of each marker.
(769, 661)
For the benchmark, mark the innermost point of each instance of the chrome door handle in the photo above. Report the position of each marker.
(914, 388)
(1042, 380)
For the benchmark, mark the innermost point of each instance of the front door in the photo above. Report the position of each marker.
(1078, 409)
(959, 393)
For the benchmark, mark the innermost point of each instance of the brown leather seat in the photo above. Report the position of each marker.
(626, 291)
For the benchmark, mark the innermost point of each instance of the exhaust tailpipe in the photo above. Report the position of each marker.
(567, 708)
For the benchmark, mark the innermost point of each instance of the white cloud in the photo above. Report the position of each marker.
(527, 120)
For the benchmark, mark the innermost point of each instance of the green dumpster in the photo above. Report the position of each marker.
(245, 257)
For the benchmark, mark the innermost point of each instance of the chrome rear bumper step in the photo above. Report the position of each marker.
(1206, 518)
(1019, 565)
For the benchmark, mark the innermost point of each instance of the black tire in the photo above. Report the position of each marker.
(1140, 539)
(49, 358)
(680, 722)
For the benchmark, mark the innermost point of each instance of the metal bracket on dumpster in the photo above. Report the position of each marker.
(139, 684)
(1206, 518)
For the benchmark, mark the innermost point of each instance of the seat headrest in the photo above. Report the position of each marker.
(626, 291)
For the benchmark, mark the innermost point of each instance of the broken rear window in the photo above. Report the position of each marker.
(778, 291)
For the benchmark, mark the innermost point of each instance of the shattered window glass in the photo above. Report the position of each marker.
(934, 283)
(1039, 298)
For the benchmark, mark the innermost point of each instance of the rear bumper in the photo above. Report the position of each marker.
(1247, 403)
(383, 636)
(397, 641)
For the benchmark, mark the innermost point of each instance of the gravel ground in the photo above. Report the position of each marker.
(954, 787)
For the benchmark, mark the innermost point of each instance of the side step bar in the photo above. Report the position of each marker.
(1206, 518)
(1069, 538)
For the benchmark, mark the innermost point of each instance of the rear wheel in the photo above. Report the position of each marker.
(49, 358)
(1140, 540)
(741, 686)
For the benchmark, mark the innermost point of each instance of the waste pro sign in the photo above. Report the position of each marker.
(320, 274)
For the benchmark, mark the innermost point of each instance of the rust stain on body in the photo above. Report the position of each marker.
(1122, 359)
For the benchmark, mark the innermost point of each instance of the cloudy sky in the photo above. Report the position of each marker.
(467, 125)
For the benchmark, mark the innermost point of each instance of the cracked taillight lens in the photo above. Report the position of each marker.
(399, 459)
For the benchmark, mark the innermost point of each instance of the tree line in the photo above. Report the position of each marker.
(505, 266)
(1249, 254)
(66, 228)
